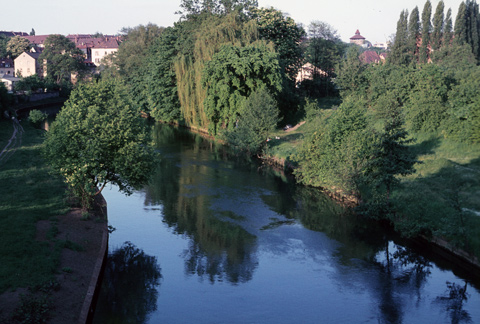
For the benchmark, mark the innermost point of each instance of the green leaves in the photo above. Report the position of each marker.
(62, 58)
(232, 75)
(99, 138)
(259, 118)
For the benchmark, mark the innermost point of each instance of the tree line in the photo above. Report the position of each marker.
(229, 67)
(422, 39)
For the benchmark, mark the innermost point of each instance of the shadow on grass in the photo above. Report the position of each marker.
(443, 204)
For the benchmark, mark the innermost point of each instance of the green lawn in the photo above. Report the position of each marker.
(28, 193)
(6, 130)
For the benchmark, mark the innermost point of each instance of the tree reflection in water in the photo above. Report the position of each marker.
(129, 289)
(455, 298)
(401, 270)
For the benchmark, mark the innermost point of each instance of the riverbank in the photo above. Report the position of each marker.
(438, 198)
(50, 250)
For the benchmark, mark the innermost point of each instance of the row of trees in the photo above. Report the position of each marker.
(363, 147)
(420, 39)
(226, 66)
(201, 71)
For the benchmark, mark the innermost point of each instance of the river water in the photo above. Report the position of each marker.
(215, 238)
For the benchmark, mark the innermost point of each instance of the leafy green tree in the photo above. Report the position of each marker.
(350, 75)
(438, 26)
(219, 7)
(32, 82)
(426, 30)
(3, 46)
(62, 57)
(324, 52)
(36, 117)
(336, 155)
(130, 61)
(414, 33)
(464, 112)
(17, 45)
(232, 75)
(161, 78)
(134, 48)
(427, 103)
(99, 138)
(274, 26)
(392, 155)
(257, 121)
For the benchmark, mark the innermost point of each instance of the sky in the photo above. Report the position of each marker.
(376, 20)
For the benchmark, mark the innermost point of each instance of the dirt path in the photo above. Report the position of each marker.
(291, 129)
(13, 143)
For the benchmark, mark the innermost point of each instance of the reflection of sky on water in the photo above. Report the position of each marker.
(291, 274)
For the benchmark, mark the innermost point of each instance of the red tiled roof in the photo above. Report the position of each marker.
(369, 57)
(37, 40)
(357, 36)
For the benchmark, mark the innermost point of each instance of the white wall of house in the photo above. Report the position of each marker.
(25, 65)
(99, 53)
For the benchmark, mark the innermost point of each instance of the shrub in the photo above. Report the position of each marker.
(36, 117)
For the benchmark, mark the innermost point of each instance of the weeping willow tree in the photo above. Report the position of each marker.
(214, 32)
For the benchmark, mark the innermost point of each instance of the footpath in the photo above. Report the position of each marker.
(76, 283)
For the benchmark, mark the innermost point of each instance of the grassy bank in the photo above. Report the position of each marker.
(440, 199)
(28, 193)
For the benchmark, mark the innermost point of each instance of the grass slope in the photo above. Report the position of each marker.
(28, 193)
(441, 198)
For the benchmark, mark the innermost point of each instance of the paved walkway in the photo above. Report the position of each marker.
(13, 143)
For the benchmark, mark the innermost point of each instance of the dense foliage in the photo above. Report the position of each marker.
(258, 119)
(178, 75)
(230, 68)
(367, 148)
(232, 76)
(63, 58)
(97, 138)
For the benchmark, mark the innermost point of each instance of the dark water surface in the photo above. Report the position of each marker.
(218, 239)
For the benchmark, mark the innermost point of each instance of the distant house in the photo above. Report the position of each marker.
(104, 47)
(306, 72)
(95, 48)
(372, 57)
(357, 39)
(6, 67)
(9, 81)
(28, 64)
(382, 45)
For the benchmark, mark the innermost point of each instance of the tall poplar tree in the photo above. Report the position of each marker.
(438, 26)
(414, 33)
(472, 27)
(400, 55)
(448, 28)
(426, 29)
(461, 25)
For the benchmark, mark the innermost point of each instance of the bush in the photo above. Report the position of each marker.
(36, 117)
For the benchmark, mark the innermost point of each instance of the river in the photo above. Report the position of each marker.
(215, 238)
